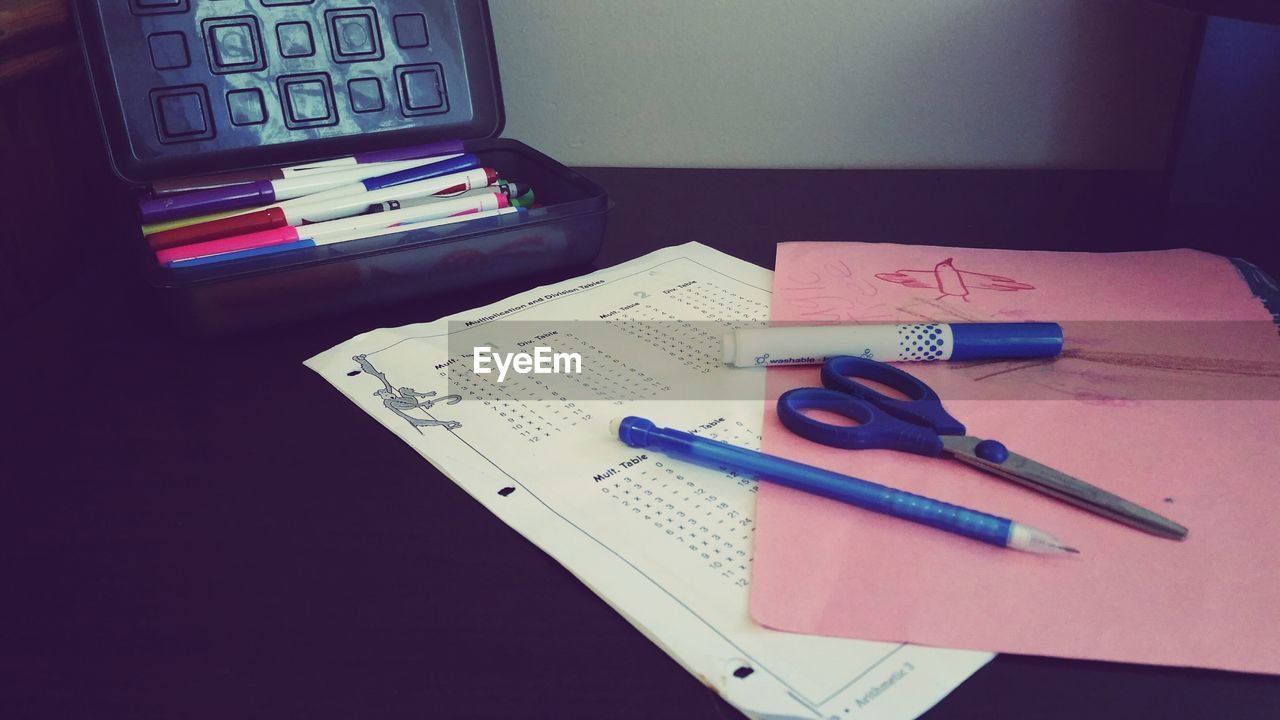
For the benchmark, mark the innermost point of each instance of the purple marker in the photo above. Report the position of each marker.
(206, 182)
(267, 192)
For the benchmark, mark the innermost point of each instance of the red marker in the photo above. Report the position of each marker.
(308, 209)
(342, 227)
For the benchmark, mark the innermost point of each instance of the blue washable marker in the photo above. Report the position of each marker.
(1002, 532)
(447, 166)
(922, 342)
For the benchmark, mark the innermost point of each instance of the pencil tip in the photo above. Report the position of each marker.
(1069, 549)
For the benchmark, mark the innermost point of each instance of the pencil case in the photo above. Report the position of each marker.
(198, 87)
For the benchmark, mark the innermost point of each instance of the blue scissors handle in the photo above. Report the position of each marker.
(923, 408)
(876, 429)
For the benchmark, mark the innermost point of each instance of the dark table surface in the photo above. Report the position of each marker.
(207, 529)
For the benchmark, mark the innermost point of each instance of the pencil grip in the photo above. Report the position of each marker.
(642, 433)
(945, 516)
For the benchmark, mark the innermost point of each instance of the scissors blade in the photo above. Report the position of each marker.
(1042, 478)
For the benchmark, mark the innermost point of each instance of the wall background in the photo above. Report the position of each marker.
(843, 83)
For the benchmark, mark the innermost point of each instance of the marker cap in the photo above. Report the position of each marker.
(203, 202)
(266, 219)
(261, 238)
(983, 341)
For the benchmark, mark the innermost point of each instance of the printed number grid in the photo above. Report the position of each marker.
(710, 517)
(605, 376)
(539, 406)
(720, 305)
(692, 339)
(532, 409)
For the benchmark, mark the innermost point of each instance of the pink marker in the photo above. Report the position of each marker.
(308, 209)
(343, 227)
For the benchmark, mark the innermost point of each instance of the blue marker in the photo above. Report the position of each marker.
(1001, 532)
(447, 166)
(923, 342)
(310, 242)
(268, 192)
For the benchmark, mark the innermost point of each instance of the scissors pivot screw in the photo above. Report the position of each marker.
(991, 451)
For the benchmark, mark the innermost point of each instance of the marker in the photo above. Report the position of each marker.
(266, 192)
(335, 239)
(205, 182)
(150, 229)
(521, 197)
(308, 210)
(991, 529)
(359, 223)
(796, 345)
(459, 164)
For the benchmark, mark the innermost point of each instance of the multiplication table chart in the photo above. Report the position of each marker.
(664, 502)
(667, 543)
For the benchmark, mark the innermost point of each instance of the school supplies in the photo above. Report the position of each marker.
(1001, 532)
(266, 192)
(338, 238)
(319, 208)
(318, 89)
(205, 182)
(346, 227)
(519, 196)
(1146, 402)
(811, 345)
(919, 424)
(632, 528)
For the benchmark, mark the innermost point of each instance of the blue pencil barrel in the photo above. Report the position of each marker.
(642, 433)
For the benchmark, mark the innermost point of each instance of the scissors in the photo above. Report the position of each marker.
(922, 426)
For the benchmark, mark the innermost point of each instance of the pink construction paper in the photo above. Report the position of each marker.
(1127, 425)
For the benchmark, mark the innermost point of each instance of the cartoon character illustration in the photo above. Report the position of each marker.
(950, 281)
(402, 400)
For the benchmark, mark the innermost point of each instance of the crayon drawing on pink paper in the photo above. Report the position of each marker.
(951, 281)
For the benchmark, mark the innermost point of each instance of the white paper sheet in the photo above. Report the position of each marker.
(666, 544)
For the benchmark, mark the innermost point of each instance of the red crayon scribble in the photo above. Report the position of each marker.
(950, 281)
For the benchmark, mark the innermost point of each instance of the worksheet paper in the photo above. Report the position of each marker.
(666, 544)
(1166, 394)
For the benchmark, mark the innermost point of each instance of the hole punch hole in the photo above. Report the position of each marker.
(743, 671)
(506, 491)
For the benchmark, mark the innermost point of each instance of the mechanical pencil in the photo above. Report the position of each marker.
(991, 529)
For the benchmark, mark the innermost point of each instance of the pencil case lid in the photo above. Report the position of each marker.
(191, 87)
